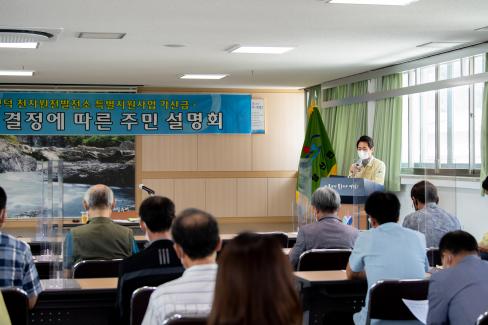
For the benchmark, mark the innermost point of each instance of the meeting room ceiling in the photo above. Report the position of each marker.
(330, 40)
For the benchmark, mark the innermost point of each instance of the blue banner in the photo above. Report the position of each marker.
(123, 114)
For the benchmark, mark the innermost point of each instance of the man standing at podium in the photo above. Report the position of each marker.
(367, 166)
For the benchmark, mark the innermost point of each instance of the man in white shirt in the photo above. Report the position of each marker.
(196, 237)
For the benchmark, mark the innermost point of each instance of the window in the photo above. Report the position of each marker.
(442, 128)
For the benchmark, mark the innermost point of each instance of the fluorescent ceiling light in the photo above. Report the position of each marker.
(260, 49)
(90, 35)
(204, 76)
(440, 45)
(24, 45)
(21, 73)
(374, 2)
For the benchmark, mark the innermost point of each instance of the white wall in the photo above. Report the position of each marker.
(459, 196)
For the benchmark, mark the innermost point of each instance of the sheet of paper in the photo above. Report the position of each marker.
(419, 308)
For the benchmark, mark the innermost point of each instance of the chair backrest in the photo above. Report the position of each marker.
(280, 236)
(177, 319)
(138, 304)
(324, 260)
(96, 269)
(483, 319)
(434, 256)
(17, 304)
(385, 298)
(130, 282)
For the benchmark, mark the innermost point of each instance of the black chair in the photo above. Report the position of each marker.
(131, 281)
(483, 319)
(385, 299)
(96, 269)
(279, 236)
(17, 304)
(43, 247)
(434, 256)
(177, 319)
(324, 260)
(138, 304)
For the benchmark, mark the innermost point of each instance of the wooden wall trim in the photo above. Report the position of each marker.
(255, 220)
(32, 223)
(218, 174)
(217, 90)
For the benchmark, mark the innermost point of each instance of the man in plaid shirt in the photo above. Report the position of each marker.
(17, 268)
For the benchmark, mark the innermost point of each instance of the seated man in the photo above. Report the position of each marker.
(457, 294)
(387, 251)
(158, 260)
(17, 268)
(328, 231)
(428, 217)
(101, 238)
(196, 237)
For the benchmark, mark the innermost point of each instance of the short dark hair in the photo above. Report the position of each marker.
(366, 139)
(485, 184)
(383, 206)
(3, 198)
(458, 241)
(424, 192)
(157, 212)
(197, 232)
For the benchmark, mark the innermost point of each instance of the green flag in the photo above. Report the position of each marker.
(317, 158)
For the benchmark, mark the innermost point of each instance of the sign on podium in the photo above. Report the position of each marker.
(353, 192)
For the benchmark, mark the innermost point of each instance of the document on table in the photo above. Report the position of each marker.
(419, 308)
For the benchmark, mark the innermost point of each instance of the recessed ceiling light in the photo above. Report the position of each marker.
(374, 2)
(440, 45)
(21, 73)
(24, 45)
(482, 29)
(90, 35)
(174, 45)
(204, 76)
(260, 49)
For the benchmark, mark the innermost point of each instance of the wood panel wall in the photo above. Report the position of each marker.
(244, 180)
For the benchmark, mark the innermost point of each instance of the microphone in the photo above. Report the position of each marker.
(359, 163)
(147, 189)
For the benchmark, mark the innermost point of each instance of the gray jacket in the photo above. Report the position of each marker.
(458, 295)
(328, 232)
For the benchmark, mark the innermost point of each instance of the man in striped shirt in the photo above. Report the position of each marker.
(196, 237)
(17, 267)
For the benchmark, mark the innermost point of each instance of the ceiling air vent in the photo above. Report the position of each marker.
(25, 35)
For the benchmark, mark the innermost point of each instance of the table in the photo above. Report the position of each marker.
(76, 301)
(328, 297)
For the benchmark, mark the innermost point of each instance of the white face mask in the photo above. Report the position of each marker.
(363, 154)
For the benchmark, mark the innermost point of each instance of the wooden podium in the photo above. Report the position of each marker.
(353, 192)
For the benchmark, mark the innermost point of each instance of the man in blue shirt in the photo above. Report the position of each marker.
(458, 294)
(387, 251)
(17, 267)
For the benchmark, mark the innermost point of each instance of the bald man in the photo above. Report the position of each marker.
(101, 238)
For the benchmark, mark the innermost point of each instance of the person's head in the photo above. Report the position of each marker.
(254, 284)
(485, 185)
(325, 201)
(196, 237)
(455, 245)
(382, 207)
(423, 192)
(157, 214)
(365, 147)
(99, 201)
(3, 206)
